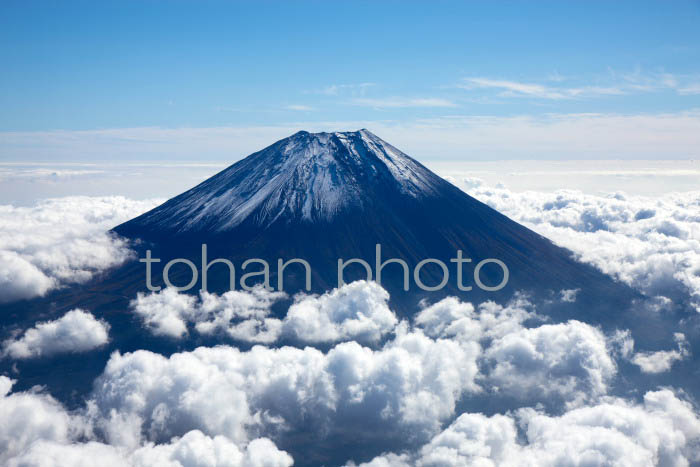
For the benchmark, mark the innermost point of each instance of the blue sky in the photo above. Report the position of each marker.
(81, 69)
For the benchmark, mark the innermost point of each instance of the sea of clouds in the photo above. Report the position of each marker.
(61, 241)
(653, 244)
(231, 405)
(342, 365)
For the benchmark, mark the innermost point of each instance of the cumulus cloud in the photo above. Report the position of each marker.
(194, 449)
(357, 311)
(20, 279)
(410, 384)
(243, 315)
(60, 241)
(76, 331)
(569, 295)
(569, 359)
(165, 312)
(389, 459)
(412, 381)
(216, 405)
(651, 244)
(29, 417)
(656, 362)
(662, 360)
(621, 343)
(36, 431)
(453, 318)
(662, 431)
(43, 453)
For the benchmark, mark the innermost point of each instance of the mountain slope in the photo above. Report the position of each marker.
(325, 196)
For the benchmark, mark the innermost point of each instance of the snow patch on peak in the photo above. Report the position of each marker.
(415, 178)
(307, 176)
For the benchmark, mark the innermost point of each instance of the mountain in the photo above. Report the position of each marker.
(320, 197)
(328, 196)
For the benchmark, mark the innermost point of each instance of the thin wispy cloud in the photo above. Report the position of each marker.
(690, 89)
(341, 89)
(299, 107)
(356, 95)
(521, 89)
(559, 87)
(402, 102)
(641, 81)
(553, 136)
(513, 87)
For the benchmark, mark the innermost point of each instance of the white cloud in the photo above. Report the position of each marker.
(60, 241)
(615, 84)
(194, 449)
(356, 311)
(47, 453)
(36, 431)
(386, 460)
(421, 373)
(212, 405)
(165, 312)
(568, 359)
(690, 89)
(665, 136)
(515, 88)
(519, 89)
(27, 417)
(621, 343)
(453, 319)
(662, 360)
(337, 89)
(656, 362)
(402, 102)
(34, 173)
(76, 331)
(286, 387)
(569, 296)
(243, 315)
(299, 107)
(653, 244)
(21, 279)
(662, 431)
(413, 381)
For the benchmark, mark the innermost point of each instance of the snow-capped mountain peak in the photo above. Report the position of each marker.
(307, 176)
